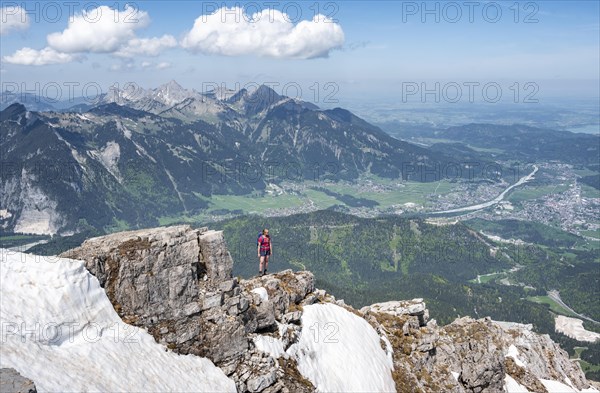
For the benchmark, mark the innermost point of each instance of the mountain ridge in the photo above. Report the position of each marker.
(144, 160)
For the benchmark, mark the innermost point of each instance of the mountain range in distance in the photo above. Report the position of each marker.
(137, 155)
(134, 157)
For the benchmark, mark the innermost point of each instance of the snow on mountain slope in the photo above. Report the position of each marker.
(512, 386)
(513, 352)
(340, 352)
(60, 330)
(558, 387)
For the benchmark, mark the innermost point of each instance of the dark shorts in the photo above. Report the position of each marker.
(264, 253)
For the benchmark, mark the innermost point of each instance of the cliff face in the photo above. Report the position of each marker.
(176, 282)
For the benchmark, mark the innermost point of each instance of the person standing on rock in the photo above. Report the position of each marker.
(264, 250)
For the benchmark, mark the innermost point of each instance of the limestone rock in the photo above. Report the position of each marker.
(215, 256)
(415, 307)
(227, 286)
(468, 355)
(292, 317)
(544, 358)
(244, 303)
(400, 307)
(13, 382)
(212, 299)
(261, 382)
(151, 273)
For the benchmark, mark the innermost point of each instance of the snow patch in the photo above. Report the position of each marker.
(5, 214)
(340, 352)
(262, 292)
(559, 387)
(512, 386)
(61, 331)
(513, 352)
(270, 345)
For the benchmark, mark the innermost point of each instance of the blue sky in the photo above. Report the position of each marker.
(377, 47)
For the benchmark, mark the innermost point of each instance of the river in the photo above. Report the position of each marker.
(494, 201)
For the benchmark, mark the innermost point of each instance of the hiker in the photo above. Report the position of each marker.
(264, 250)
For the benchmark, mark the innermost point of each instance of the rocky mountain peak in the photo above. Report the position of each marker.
(260, 99)
(172, 85)
(240, 95)
(266, 94)
(171, 93)
(13, 112)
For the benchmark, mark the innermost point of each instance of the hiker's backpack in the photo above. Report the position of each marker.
(258, 239)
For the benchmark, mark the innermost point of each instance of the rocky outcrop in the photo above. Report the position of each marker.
(177, 283)
(150, 275)
(539, 356)
(13, 382)
(468, 355)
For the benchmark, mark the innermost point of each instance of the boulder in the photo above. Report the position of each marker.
(261, 382)
(415, 307)
(212, 299)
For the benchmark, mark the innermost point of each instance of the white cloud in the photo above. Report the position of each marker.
(13, 18)
(269, 33)
(146, 64)
(163, 65)
(101, 30)
(28, 56)
(147, 46)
